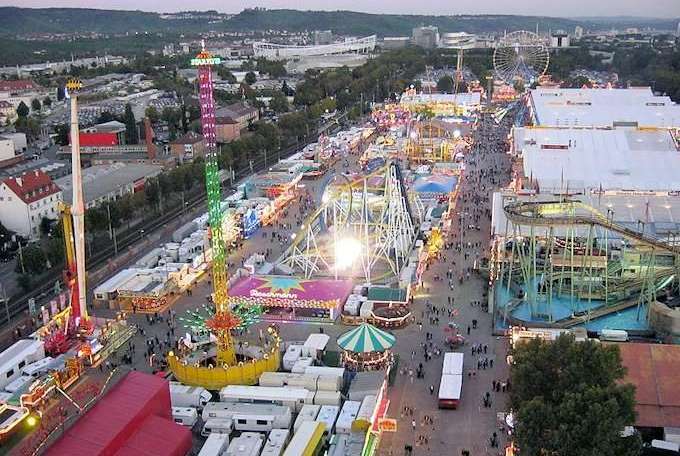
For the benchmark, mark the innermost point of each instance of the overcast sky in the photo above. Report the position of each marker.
(648, 8)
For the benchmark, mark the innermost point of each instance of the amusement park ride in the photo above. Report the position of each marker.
(224, 366)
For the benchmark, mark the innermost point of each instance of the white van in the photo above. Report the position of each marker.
(186, 416)
(217, 426)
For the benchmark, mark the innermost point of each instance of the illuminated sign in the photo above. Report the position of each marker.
(209, 61)
(387, 425)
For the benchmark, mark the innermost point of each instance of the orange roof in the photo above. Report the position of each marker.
(32, 186)
(652, 368)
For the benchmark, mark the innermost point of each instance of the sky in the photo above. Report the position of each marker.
(561, 8)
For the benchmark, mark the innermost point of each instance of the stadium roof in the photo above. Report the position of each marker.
(602, 107)
(579, 158)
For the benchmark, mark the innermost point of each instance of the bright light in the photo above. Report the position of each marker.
(325, 198)
(292, 236)
(347, 250)
(456, 133)
(31, 421)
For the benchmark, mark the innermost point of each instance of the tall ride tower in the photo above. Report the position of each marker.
(78, 299)
(224, 320)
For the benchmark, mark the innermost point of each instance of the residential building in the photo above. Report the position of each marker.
(322, 37)
(425, 37)
(227, 129)
(109, 182)
(19, 139)
(188, 147)
(26, 199)
(242, 113)
(7, 112)
(19, 90)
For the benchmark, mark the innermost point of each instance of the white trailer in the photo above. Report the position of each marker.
(348, 414)
(247, 444)
(186, 416)
(308, 413)
(217, 426)
(328, 398)
(250, 417)
(453, 364)
(326, 371)
(13, 360)
(188, 396)
(276, 442)
(215, 445)
(327, 415)
(293, 353)
(294, 398)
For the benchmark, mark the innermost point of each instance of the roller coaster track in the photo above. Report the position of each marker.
(552, 213)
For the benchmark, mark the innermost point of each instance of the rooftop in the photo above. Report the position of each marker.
(189, 137)
(18, 84)
(235, 110)
(603, 107)
(652, 368)
(579, 158)
(100, 180)
(32, 186)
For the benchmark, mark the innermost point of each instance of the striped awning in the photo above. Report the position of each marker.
(365, 339)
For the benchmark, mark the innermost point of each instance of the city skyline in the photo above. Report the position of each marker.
(576, 8)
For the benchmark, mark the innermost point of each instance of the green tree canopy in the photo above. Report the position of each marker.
(279, 102)
(131, 134)
(35, 105)
(568, 401)
(152, 114)
(22, 110)
(445, 84)
(250, 78)
(47, 101)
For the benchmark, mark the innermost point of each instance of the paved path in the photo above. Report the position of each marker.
(471, 425)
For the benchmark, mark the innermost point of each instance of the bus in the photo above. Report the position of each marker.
(450, 388)
(294, 398)
(453, 364)
(308, 440)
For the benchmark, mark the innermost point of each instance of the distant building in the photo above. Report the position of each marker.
(458, 40)
(425, 37)
(559, 39)
(242, 113)
(227, 129)
(578, 32)
(17, 91)
(109, 182)
(188, 147)
(26, 199)
(322, 37)
(677, 32)
(103, 135)
(7, 112)
(395, 42)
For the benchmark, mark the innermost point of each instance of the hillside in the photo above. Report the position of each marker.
(28, 21)
(353, 23)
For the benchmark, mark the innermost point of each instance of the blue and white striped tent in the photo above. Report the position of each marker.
(365, 339)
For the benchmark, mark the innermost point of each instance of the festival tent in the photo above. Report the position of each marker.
(365, 339)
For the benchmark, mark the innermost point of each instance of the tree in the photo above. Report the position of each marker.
(226, 75)
(45, 225)
(568, 400)
(34, 260)
(279, 102)
(22, 110)
(105, 116)
(35, 105)
(250, 78)
(47, 102)
(25, 283)
(131, 134)
(445, 84)
(152, 114)
(62, 134)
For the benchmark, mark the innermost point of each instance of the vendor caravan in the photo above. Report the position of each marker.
(269, 294)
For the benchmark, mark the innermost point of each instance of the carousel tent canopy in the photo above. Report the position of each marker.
(365, 339)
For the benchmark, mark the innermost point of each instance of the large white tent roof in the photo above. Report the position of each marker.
(602, 107)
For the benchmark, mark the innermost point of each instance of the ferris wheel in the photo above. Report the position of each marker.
(521, 56)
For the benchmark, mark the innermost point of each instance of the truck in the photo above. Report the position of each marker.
(188, 396)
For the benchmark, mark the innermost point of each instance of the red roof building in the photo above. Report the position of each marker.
(653, 369)
(17, 85)
(25, 200)
(134, 418)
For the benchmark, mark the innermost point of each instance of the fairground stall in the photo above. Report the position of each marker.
(290, 298)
